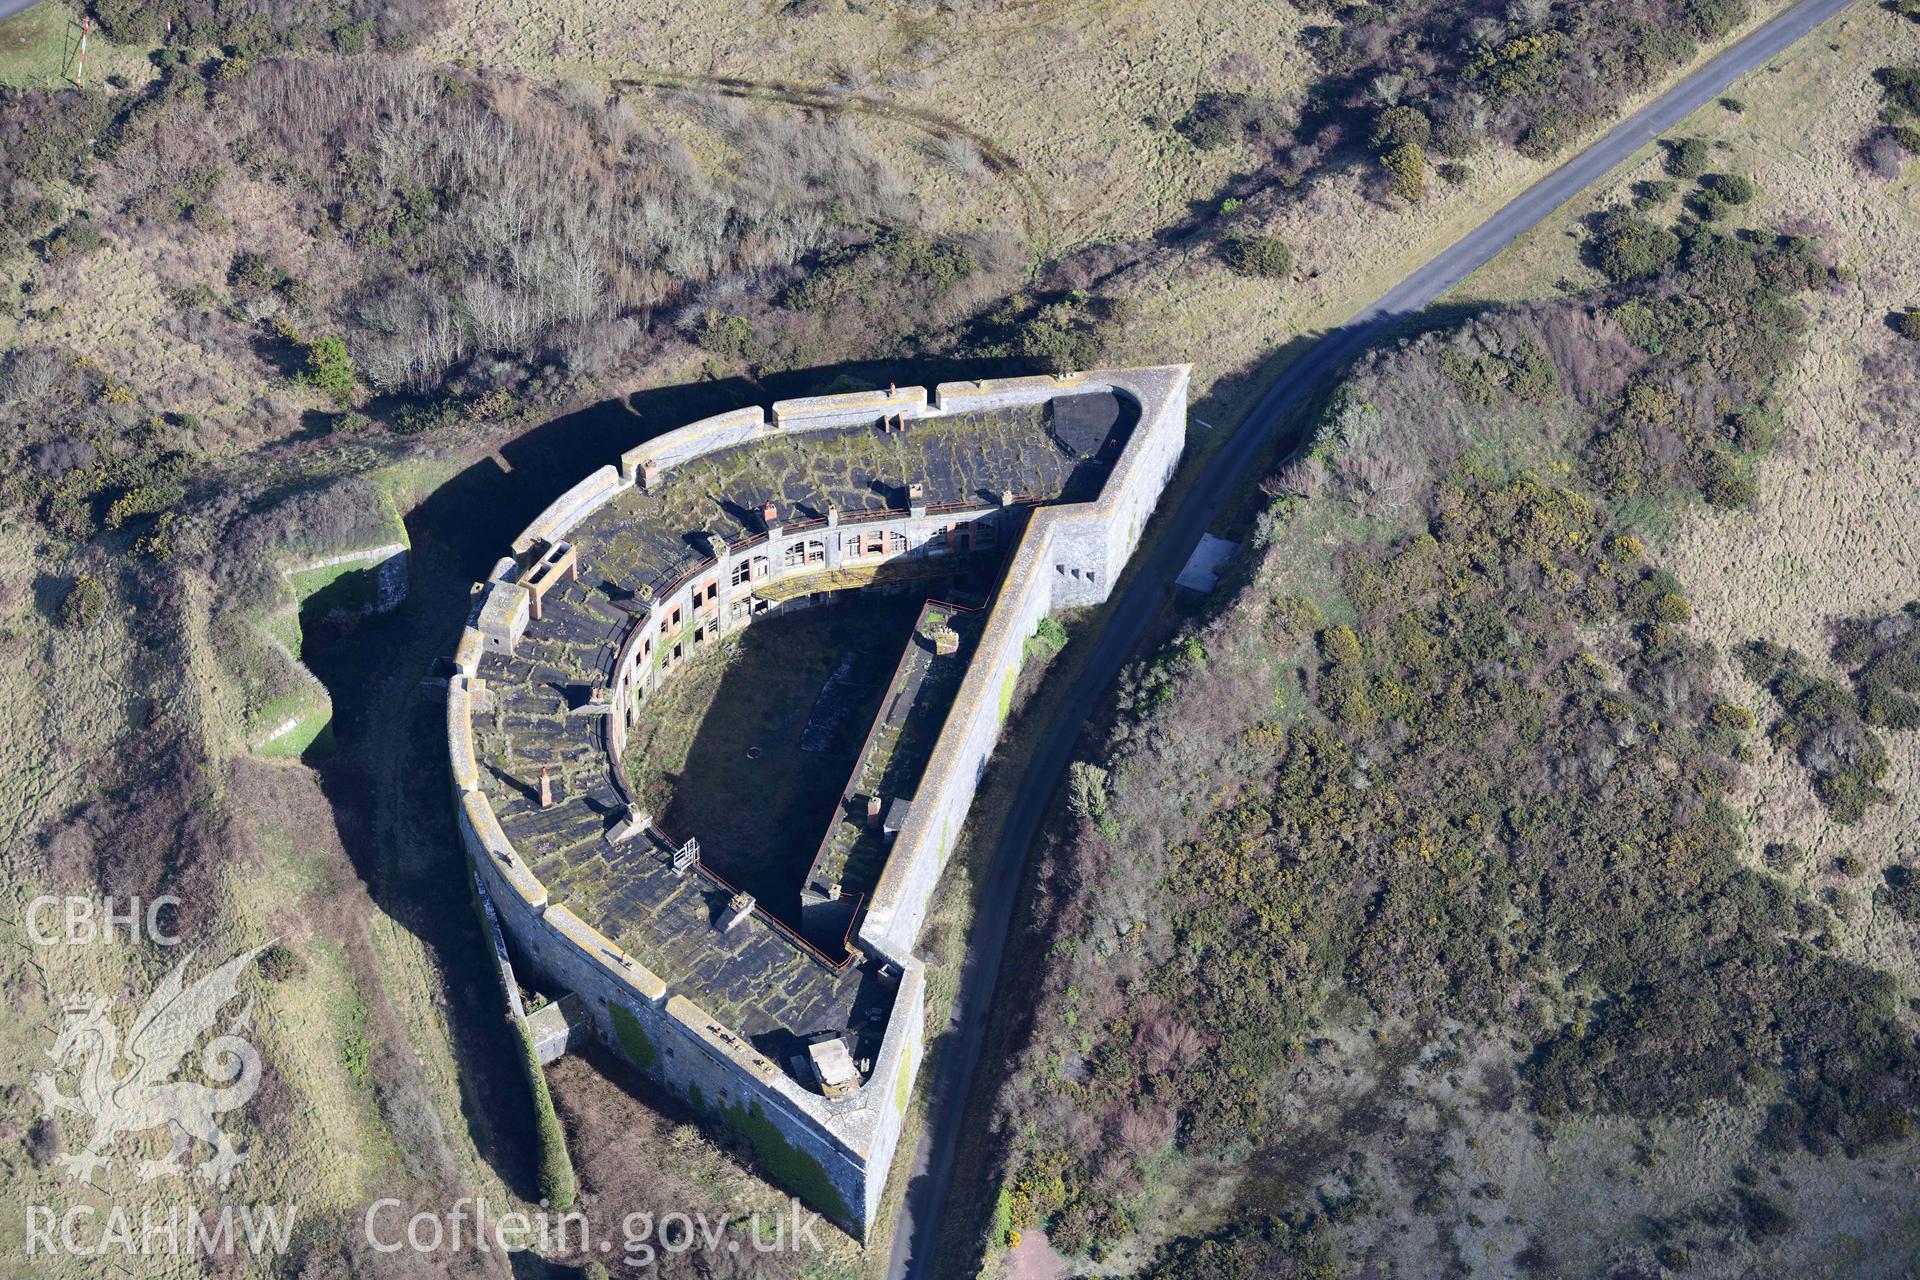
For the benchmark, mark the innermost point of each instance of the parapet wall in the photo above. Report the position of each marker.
(666, 1036)
(899, 903)
(1069, 555)
(569, 509)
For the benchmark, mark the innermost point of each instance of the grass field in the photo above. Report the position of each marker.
(39, 50)
(717, 752)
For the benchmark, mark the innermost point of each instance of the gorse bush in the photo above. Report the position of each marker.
(1626, 246)
(84, 605)
(1532, 76)
(1406, 169)
(1398, 126)
(1477, 771)
(1217, 119)
(1257, 255)
(329, 369)
(1688, 158)
(1730, 188)
(1068, 332)
(262, 26)
(1832, 728)
(1726, 315)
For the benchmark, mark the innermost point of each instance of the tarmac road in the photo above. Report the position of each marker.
(918, 1231)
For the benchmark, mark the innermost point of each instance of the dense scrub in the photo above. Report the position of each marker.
(468, 232)
(463, 245)
(263, 26)
(1831, 726)
(1418, 81)
(44, 138)
(1453, 751)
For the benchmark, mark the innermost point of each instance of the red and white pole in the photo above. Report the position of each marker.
(80, 61)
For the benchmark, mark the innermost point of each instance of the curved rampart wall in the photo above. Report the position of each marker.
(1068, 555)
(665, 1035)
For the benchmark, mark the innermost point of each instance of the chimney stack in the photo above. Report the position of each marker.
(769, 516)
(546, 788)
(873, 813)
(739, 907)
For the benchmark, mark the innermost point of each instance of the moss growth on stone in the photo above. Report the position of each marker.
(904, 1084)
(785, 1163)
(633, 1038)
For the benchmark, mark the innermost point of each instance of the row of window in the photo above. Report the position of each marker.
(864, 543)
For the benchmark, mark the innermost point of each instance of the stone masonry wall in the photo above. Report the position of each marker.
(640, 667)
(853, 1140)
(680, 1046)
(1040, 579)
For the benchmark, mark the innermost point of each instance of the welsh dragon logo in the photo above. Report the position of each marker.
(144, 1096)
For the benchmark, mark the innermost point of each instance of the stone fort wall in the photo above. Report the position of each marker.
(1068, 555)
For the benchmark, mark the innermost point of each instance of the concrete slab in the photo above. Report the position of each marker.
(1202, 573)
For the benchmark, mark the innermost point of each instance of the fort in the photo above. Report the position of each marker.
(798, 1023)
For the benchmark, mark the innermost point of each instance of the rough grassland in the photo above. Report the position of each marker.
(1835, 532)
(1078, 97)
(363, 1093)
(1068, 89)
(1836, 529)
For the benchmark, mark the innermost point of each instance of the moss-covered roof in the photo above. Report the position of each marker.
(753, 977)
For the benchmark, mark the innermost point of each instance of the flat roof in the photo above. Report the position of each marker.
(754, 978)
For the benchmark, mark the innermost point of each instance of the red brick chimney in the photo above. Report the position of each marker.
(546, 788)
(769, 514)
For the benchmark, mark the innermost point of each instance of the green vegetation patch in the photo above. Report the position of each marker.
(785, 1164)
(1451, 752)
(633, 1038)
(557, 1181)
(1831, 726)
